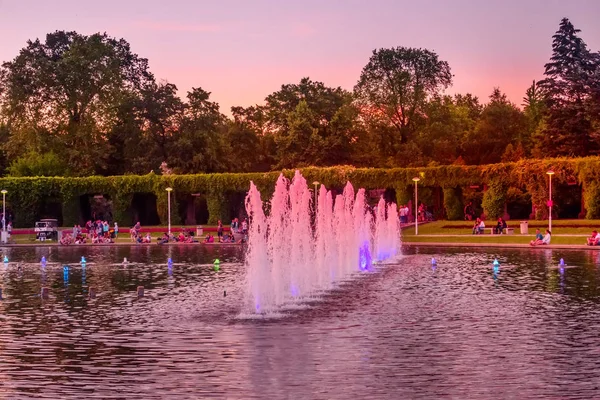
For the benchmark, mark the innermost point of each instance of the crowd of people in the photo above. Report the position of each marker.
(101, 232)
(96, 231)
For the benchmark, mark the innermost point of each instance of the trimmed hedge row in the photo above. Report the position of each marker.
(25, 195)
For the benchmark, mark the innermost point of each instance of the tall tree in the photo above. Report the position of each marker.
(68, 88)
(570, 76)
(311, 124)
(501, 123)
(534, 106)
(200, 145)
(397, 83)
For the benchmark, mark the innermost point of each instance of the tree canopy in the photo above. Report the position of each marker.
(80, 105)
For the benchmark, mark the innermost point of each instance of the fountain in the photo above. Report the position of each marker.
(298, 249)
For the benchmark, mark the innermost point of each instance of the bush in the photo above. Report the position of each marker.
(453, 204)
(494, 200)
(35, 164)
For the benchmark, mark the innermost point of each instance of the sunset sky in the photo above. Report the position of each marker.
(243, 50)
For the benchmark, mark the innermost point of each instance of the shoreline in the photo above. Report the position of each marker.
(113, 244)
(404, 243)
(503, 245)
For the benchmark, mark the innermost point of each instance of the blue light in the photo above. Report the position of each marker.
(66, 274)
(365, 260)
(5, 260)
(562, 262)
(433, 262)
(169, 261)
(43, 261)
(294, 291)
(83, 260)
(496, 262)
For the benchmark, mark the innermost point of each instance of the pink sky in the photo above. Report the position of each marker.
(242, 50)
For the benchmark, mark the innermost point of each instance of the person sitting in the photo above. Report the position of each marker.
(66, 239)
(500, 226)
(593, 240)
(163, 239)
(479, 227)
(545, 240)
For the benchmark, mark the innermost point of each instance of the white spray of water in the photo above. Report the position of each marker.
(299, 249)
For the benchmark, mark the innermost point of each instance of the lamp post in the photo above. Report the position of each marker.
(4, 238)
(415, 180)
(316, 183)
(169, 190)
(550, 173)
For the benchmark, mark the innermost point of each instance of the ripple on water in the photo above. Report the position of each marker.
(408, 330)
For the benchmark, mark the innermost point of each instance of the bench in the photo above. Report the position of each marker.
(509, 231)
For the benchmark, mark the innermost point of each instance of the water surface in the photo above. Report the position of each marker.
(409, 330)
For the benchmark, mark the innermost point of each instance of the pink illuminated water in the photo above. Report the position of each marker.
(299, 249)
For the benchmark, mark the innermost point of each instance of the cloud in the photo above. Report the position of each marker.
(176, 27)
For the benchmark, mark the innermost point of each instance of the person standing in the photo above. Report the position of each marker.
(220, 230)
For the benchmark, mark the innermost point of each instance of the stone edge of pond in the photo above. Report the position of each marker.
(504, 245)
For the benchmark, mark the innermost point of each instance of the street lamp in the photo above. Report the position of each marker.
(415, 180)
(169, 190)
(4, 238)
(316, 183)
(550, 173)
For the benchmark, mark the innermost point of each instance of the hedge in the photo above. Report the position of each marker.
(26, 195)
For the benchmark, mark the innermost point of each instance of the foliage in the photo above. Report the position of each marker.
(453, 204)
(571, 76)
(61, 94)
(34, 164)
(494, 200)
(397, 83)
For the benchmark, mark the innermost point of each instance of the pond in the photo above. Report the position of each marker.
(408, 330)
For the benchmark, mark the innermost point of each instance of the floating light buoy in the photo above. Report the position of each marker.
(43, 261)
(83, 261)
(5, 260)
(496, 263)
(125, 260)
(433, 261)
(217, 264)
(562, 262)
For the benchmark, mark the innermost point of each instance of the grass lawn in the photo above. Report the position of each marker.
(571, 232)
(559, 227)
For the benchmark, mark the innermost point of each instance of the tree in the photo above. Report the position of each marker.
(501, 123)
(63, 94)
(533, 106)
(397, 83)
(311, 124)
(34, 164)
(160, 111)
(570, 78)
(200, 145)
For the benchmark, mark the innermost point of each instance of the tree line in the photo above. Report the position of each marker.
(87, 105)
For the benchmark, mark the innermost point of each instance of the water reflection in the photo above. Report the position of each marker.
(407, 331)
